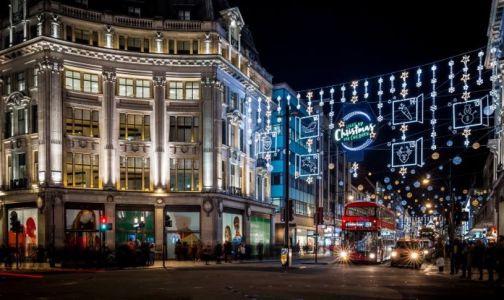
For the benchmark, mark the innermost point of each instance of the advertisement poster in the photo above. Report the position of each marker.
(184, 231)
(82, 229)
(27, 240)
(232, 227)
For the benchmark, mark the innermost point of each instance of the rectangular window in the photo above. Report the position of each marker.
(82, 122)
(82, 36)
(134, 44)
(224, 132)
(91, 83)
(126, 87)
(122, 42)
(95, 39)
(34, 119)
(184, 15)
(171, 47)
(143, 88)
(184, 175)
(184, 129)
(146, 45)
(73, 80)
(176, 90)
(8, 124)
(135, 173)
(195, 47)
(134, 127)
(82, 170)
(21, 82)
(183, 47)
(192, 90)
(22, 121)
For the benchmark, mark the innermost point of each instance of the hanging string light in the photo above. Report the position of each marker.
(392, 88)
(354, 169)
(466, 134)
(279, 108)
(249, 119)
(298, 105)
(331, 113)
(451, 90)
(419, 78)
(268, 114)
(321, 94)
(480, 68)
(343, 89)
(494, 65)
(380, 103)
(366, 94)
(465, 78)
(433, 107)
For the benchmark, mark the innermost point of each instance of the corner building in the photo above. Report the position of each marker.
(137, 118)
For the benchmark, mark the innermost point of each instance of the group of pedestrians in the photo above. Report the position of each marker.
(468, 256)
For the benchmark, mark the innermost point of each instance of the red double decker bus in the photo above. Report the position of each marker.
(368, 232)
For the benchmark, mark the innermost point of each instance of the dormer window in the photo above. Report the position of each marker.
(134, 11)
(184, 15)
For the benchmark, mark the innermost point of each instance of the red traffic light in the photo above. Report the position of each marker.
(103, 220)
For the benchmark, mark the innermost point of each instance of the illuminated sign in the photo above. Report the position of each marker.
(356, 131)
(359, 224)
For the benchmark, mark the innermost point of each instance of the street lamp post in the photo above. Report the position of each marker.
(286, 183)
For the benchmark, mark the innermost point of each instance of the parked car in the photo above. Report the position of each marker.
(407, 253)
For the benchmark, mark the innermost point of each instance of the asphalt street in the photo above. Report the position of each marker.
(249, 281)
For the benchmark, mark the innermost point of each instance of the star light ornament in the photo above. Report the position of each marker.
(354, 168)
(321, 94)
(494, 79)
(268, 114)
(279, 107)
(354, 86)
(259, 109)
(380, 103)
(465, 78)
(419, 78)
(309, 109)
(403, 171)
(466, 134)
(404, 90)
(343, 89)
(392, 88)
(403, 129)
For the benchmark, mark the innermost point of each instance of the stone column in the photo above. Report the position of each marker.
(159, 226)
(159, 138)
(50, 121)
(3, 224)
(211, 123)
(55, 225)
(2, 115)
(107, 130)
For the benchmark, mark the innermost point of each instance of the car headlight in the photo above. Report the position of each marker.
(343, 255)
(394, 254)
(414, 255)
(372, 255)
(425, 252)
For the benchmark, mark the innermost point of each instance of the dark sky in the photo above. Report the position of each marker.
(317, 43)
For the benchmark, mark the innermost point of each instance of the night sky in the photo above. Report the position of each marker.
(311, 44)
(316, 43)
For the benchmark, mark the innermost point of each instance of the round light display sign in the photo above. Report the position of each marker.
(355, 131)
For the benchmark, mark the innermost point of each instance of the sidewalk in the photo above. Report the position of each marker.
(431, 269)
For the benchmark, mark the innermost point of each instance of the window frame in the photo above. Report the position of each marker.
(124, 126)
(124, 172)
(93, 169)
(134, 88)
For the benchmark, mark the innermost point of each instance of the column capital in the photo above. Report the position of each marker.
(159, 80)
(50, 63)
(109, 75)
(210, 81)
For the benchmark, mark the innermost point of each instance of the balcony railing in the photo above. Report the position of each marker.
(133, 22)
(82, 14)
(173, 25)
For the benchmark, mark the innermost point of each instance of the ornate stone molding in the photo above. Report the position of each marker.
(109, 76)
(210, 81)
(159, 80)
(49, 63)
(17, 99)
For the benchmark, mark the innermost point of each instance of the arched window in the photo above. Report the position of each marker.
(18, 114)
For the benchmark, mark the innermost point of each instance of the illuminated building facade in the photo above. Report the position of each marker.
(134, 117)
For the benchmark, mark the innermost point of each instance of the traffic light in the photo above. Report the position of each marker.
(103, 223)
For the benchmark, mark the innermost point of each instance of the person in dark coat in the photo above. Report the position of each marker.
(207, 253)
(260, 249)
(490, 260)
(228, 248)
(464, 253)
(218, 252)
(477, 258)
(455, 249)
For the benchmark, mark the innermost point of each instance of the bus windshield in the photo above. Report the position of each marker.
(361, 241)
(361, 211)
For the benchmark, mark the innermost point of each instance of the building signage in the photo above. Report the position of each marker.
(358, 224)
(355, 131)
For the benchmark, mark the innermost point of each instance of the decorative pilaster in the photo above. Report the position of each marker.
(160, 164)
(159, 42)
(108, 154)
(212, 93)
(109, 37)
(55, 27)
(50, 120)
(40, 24)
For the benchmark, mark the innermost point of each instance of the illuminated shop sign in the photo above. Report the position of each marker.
(355, 131)
(359, 224)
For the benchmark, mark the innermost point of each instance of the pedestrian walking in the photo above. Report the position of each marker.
(439, 255)
(228, 248)
(207, 254)
(477, 258)
(464, 253)
(490, 260)
(260, 248)
(455, 254)
(218, 252)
